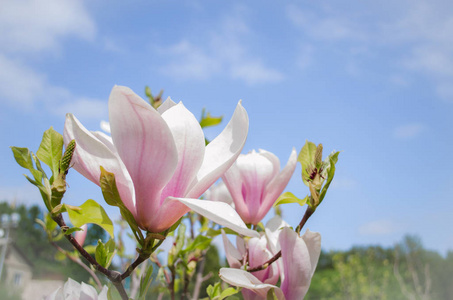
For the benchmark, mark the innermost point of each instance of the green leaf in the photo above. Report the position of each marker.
(145, 282)
(112, 197)
(23, 157)
(71, 230)
(289, 197)
(213, 291)
(333, 158)
(90, 249)
(228, 292)
(306, 158)
(208, 120)
(105, 253)
(90, 212)
(51, 149)
(200, 242)
(50, 224)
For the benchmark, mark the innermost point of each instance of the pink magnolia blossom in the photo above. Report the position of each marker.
(257, 255)
(81, 235)
(255, 182)
(299, 258)
(159, 157)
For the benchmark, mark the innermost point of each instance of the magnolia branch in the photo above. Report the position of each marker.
(113, 276)
(80, 263)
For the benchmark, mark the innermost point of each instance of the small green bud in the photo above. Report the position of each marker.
(318, 156)
(67, 157)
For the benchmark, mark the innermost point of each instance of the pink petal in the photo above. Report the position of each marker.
(233, 181)
(91, 153)
(246, 280)
(277, 185)
(146, 147)
(81, 235)
(273, 159)
(190, 144)
(313, 242)
(221, 153)
(258, 254)
(256, 172)
(232, 254)
(167, 214)
(296, 265)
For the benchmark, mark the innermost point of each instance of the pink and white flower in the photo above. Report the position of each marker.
(159, 157)
(81, 235)
(296, 266)
(255, 182)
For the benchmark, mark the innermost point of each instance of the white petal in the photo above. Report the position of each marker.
(232, 254)
(91, 153)
(246, 280)
(190, 145)
(220, 213)
(221, 153)
(166, 105)
(313, 242)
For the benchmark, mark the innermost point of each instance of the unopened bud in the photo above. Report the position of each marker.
(318, 156)
(67, 157)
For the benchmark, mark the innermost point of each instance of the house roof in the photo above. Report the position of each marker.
(12, 246)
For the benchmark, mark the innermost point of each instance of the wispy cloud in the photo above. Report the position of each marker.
(379, 227)
(34, 25)
(422, 28)
(30, 27)
(344, 183)
(408, 131)
(224, 52)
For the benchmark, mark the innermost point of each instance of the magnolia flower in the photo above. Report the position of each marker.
(72, 290)
(255, 182)
(81, 235)
(159, 157)
(296, 266)
(257, 255)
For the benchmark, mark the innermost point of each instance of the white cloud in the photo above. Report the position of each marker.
(379, 227)
(254, 72)
(221, 53)
(83, 107)
(32, 27)
(36, 25)
(413, 36)
(344, 183)
(408, 131)
(305, 56)
(191, 62)
(19, 84)
(26, 89)
(331, 27)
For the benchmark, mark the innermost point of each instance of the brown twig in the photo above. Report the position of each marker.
(113, 276)
(80, 263)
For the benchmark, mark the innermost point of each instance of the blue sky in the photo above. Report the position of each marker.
(372, 79)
